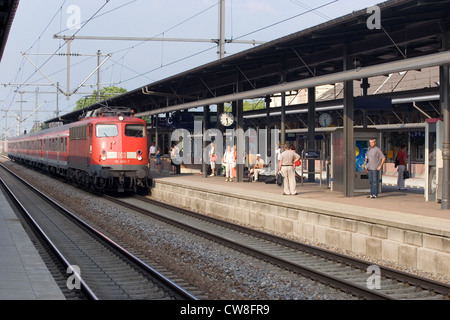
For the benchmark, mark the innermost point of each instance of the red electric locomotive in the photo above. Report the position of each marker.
(105, 151)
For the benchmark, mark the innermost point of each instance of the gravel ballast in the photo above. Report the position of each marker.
(219, 272)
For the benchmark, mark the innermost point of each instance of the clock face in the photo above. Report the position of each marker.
(325, 119)
(226, 119)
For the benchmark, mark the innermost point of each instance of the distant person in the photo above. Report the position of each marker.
(374, 162)
(277, 153)
(175, 159)
(297, 164)
(402, 161)
(228, 159)
(158, 159)
(234, 164)
(286, 166)
(172, 160)
(257, 168)
(152, 150)
(212, 158)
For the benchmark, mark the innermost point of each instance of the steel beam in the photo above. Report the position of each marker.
(444, 86)
(349, 75)
(349, 148)
(311, 131)
(283, 118)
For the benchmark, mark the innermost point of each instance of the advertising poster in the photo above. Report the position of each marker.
(361, 150)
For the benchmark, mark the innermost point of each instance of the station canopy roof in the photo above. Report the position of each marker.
(7, 12)
(409, 28)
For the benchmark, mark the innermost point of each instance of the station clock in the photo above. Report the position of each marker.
(325, 119)
(226, 119)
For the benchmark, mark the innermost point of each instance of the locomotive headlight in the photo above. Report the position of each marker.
(120, 118)
(139, 157)
(103, 155)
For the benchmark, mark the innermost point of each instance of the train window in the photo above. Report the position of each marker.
(135, 130)
(106, 130)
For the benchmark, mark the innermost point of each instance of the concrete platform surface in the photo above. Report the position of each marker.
(398, 226)
(411, 201)
(23, 273)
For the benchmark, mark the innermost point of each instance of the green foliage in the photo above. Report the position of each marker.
(105, 93)
(249, 105)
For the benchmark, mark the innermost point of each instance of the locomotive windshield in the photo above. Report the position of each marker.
(135, 130)
(106, 130)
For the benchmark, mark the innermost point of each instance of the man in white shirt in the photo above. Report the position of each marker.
(152, 149)
(286, 166)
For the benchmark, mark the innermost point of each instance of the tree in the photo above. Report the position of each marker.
(105, 93)
(248, 105)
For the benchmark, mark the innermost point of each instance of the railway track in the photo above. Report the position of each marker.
(100, 268)
(360, 278)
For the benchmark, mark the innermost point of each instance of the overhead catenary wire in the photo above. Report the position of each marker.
(96, 15)
(297, 2)
(100, 15)
(121, 60)
(59, 47)
(242, 36)
(37, 41)
(287, 19)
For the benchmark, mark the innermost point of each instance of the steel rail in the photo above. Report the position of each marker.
(332, 281)
(178, 289)
(87, 290)
(400, 276)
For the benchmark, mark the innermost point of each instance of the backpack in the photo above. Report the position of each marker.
(396, 162)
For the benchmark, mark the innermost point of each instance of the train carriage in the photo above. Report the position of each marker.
(105, 151)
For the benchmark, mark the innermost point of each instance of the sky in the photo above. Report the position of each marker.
(32, 47)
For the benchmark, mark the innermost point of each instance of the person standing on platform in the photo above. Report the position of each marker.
(158, 159)
(402, 161)
(228, 159)
(173, 159)
(234, 165)
(212, 158)
(286, 166)
(152, 150)
(374, 162)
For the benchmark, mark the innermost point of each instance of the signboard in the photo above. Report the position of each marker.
(373, 103)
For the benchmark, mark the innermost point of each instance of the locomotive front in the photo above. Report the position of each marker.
(119, 152)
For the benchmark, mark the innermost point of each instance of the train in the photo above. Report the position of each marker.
(107, 150)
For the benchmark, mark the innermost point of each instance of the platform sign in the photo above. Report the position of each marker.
(311, 154)
(373, 103)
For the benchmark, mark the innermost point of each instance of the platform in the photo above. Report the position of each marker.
(398, 226)
(23, 273)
